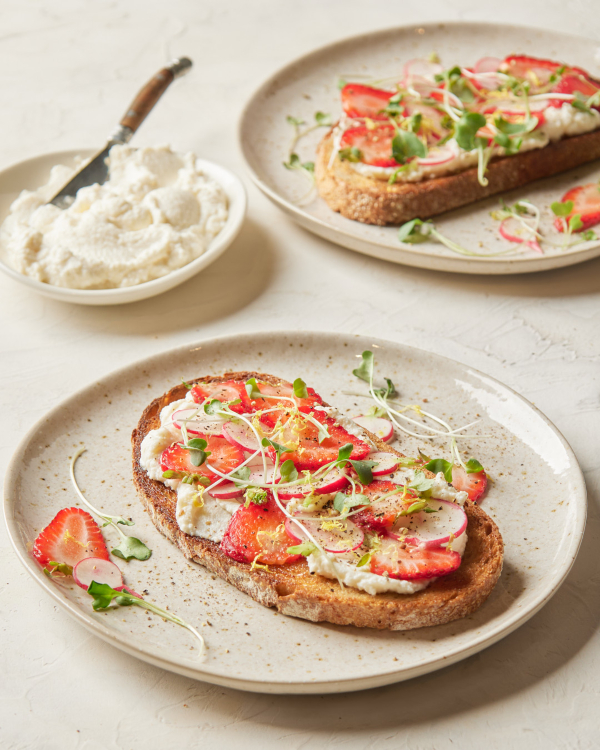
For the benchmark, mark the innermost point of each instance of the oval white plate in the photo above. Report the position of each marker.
(309, 85)
(537, 497)
(31, 173)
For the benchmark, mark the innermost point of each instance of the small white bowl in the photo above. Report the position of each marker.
(32, 173)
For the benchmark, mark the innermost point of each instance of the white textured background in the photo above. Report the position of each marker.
(69, 70)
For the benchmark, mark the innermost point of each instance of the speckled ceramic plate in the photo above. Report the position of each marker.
(537, 497)
(309, 85)
(32, 173)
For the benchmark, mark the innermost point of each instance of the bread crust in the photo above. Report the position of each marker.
(292, 590)
(375, 202)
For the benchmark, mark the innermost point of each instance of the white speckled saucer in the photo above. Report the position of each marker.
(32, 173)
(309, 85)
(537, 496)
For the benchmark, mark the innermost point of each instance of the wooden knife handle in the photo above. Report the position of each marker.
(151, 93)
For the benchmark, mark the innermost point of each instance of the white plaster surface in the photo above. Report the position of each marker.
(70, 68)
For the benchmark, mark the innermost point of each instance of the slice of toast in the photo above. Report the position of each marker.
(293, 590)
(372, 201)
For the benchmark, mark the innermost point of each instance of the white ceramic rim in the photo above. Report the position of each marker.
(405, 253)
(327, 686)
(236, 194)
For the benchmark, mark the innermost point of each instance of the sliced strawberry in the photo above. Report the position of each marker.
(536, 71)
(586, 202)
(474, 484)
(431, 123)
(224, 457)
(374, 144)
(574, 80)
(286, 391)
(307, 452)
(410, 562)
(379, 516)
(365, 101)
(229, 390)
(257, 533)
(71, 536)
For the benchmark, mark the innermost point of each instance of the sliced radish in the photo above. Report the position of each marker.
(386, 463)
(257, 476)
(419, 68)
(509, 229)
(240, 435)
(379, 426)
(99, 570)
(198, 424)
(487, 65)
(433, 529)
(437, 156)
(226, 491)
(511, 108)
(333, 481)
(336, 540)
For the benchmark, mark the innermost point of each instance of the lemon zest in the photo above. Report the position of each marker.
(69, 536)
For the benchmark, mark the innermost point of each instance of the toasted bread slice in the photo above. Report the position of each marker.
(293, 590)
(372, 201)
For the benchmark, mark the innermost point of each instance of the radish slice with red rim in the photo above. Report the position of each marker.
(433, 529)
(379, 426)
(436, 156)
(510, 229)
(337, 540)
(333, 481)
(487, 65)
(386, 463)
(197, 424)
(419, 68)
(99, 570)
(226, 491)
(240, 435)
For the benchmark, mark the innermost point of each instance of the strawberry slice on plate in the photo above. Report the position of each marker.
(70, 537)
(229, 390)
(586, 202)
(302, 437)
(365, 101)
(379, 516)
(374, 144)
(474, 484)
(408, 562)
(224, 457)
(257, 533)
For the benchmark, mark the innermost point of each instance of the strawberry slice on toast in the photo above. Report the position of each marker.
(412, 562)
(70, 537)
(586, 203)
(229, 390)
(474, 484)
(285, 391)
(224, 457)
(380, 515)
(257, 534)
(365, 101)
(374, 144)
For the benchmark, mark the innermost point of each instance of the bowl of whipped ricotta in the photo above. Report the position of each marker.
(159, 219)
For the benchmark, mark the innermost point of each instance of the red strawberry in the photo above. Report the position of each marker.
(224, 456)
(375, 145)
(474, 484)
(230, 390)
(258, 533)
(379, 516)
(365, 101)
(311, 454)
(286, 390)
(573, 81)
(71, 536)
(409, 562)
(586, 202)
(533, 69)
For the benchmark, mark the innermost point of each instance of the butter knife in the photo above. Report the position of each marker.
(96, 170)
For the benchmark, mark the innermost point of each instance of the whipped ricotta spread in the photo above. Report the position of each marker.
(156, 213)
(202, 515)
(558, 122)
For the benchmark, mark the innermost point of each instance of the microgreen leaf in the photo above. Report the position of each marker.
(345, 452)
(279, 449)
(364, 470)
(341, 82)
(414, 231)
(213, 407)
(511, 128)
(580, 102)
(323, 119)
(252, 389)
(589, 235)
(387, 392)
(58, 567)
(365, 370)
(242, 473)
(306, 549)
(406, 144)
(288, 471)
(130, 547)
(364, 559)
(421, 483)
(295, 121)
(188, 386)
(350, 154)
(342, 503)
(439, 464)
(376, 411)
(473, 466)
(466, 129)
(575, 222)
(414, 508)
(561, 209)
(295, 163)
(300, 388)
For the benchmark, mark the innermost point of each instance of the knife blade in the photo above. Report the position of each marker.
(95, 171)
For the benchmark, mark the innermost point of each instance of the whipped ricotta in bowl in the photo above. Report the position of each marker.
(157, 212)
